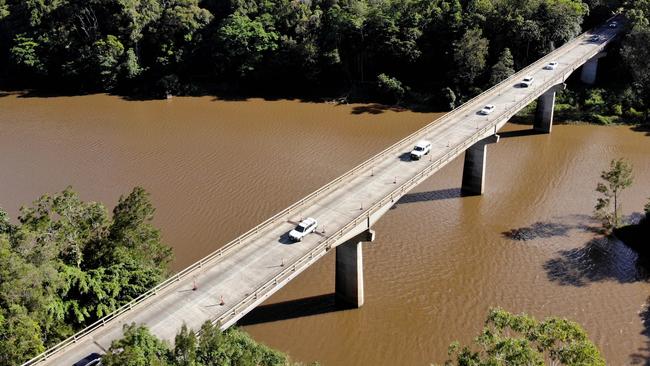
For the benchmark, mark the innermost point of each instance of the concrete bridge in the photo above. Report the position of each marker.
(238, 277)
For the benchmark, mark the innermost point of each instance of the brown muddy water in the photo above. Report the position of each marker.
(217, 168)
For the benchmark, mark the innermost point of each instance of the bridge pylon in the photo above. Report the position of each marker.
(349, 270)
(474, 167)
(590, 69)
(545, 107)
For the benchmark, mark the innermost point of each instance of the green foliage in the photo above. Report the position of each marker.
(390, 87)
(25, 53)
(636, 55)
(617, 178)
(509, 339)
(19, 335)
(108, 53)
(67, 263)
(4, 9)
(503, 68)
(139, 347)
(244, 42)
(470, 53)
(166, 46)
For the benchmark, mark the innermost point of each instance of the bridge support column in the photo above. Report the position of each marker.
(349, 270)
(545, 108)
(474, 168)
(590, 69)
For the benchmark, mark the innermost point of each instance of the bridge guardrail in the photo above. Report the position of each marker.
(219, 253)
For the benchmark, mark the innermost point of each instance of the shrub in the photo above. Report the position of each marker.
(390, 87)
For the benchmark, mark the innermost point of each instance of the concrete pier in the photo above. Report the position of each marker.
(545, 107)
(474, 168)
(349, 270)
(590, 69)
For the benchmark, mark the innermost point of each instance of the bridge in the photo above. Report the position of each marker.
(230, 282)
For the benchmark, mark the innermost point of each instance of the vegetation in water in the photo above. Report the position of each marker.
(434, 53)
(510, 339)
(616, 179)
(67, 263)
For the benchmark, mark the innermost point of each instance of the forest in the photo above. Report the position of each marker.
(430, 53)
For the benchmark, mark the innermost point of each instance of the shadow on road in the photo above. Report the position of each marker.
(405, 156)
(292, 309)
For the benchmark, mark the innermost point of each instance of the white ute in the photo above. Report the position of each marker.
(305, 227)
(421, 148)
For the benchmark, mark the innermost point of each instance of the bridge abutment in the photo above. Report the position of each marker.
(349, 270)
(545, 108)
(590, 69)
(474, 167)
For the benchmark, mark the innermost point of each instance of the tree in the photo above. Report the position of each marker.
(636, 55)
(185, 347)
(617, 178)
(4, 9)
(560, 20)
(509, 339)
(55, 277)
(470, 54)
(19, 335)
(390, 87)
(107, 56)
(503, 68)
(138, 347)
(25, 54)
(244, 42)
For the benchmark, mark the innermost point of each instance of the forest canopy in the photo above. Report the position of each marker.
(67, 263)
(431, 53)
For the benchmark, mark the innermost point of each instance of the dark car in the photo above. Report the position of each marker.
(93, 359)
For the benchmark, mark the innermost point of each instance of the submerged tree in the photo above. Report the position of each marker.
(617, 178)
(510, 339)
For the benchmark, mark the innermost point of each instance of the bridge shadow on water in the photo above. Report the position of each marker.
(292, 309)
(520, 133)
(441, 194)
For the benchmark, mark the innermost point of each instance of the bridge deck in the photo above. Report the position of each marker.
(242, 271)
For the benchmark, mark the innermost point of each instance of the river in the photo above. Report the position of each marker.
(216, 168)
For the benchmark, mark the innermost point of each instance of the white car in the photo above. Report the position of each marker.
(489, 108)
(551, 65)
(613, 24)
(527, 81)
(421, 148)
(305, 227)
